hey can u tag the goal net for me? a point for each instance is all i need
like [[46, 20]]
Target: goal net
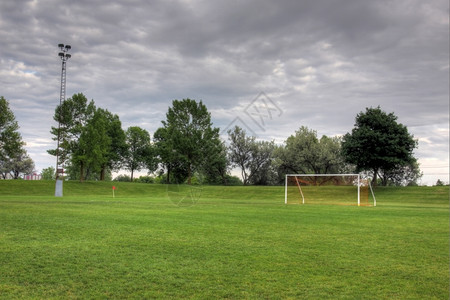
[[338, 189]]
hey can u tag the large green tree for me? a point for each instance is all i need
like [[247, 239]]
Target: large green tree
[[116, 146], [73, 115], [187, 139], [169, 159], [91, 150], [378, 143], [92, 141], [306, 153]]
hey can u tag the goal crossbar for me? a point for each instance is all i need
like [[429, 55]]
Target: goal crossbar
[[299, 181]]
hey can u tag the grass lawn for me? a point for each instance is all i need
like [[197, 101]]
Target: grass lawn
[[231, 242]]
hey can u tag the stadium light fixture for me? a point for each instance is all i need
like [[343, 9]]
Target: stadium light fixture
[[62, 96]]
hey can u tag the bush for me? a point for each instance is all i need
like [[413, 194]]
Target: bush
[[122, 177], [48, 173], [439, 182], [145, 179], [232, 180], [162, 179]]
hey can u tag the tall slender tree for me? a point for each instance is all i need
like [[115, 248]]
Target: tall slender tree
[[139, 149], [92, 147], [117, 148], [186, 138], [73, 115], [240, 151]]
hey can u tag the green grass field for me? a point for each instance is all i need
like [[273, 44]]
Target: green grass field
[[229, 242]]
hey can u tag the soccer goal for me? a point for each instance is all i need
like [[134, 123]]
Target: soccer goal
[[339, 189]]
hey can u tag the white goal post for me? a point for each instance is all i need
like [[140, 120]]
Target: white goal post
[[327, 188]]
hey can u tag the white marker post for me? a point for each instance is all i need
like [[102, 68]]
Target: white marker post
[[113, 188]]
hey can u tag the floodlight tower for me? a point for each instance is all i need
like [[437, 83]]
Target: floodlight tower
[[62, 97]]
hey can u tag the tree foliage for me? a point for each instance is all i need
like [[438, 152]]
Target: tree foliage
[[21, 164], [117, 148], [252, 157], [48, 173], [103, 143], [14, 159], [139, 149], [170, 160], [240, 151], [10, 139], [261, 167], [188, 146], [73, 115], [406, 175], [91, 139], [187, 142], [215, 164], [91, 153], [305, 153], [378, 143]]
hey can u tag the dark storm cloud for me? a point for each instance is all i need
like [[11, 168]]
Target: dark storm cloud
[[321, 62]]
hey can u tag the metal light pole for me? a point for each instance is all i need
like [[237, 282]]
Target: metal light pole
[[62, 97]]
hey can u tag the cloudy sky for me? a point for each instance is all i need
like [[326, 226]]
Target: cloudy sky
[[267, 66]]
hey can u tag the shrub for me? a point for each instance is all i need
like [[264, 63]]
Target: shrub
[[122, 177]]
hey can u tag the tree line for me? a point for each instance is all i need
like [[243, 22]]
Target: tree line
[[187, 148]]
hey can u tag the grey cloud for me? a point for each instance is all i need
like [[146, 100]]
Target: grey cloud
[[322, 61]]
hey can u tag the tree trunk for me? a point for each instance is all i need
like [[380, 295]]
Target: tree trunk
[[102, 173], [189, 174], [81, 171], [374, 179], [168, 174], [132, 171], [244, 175]]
